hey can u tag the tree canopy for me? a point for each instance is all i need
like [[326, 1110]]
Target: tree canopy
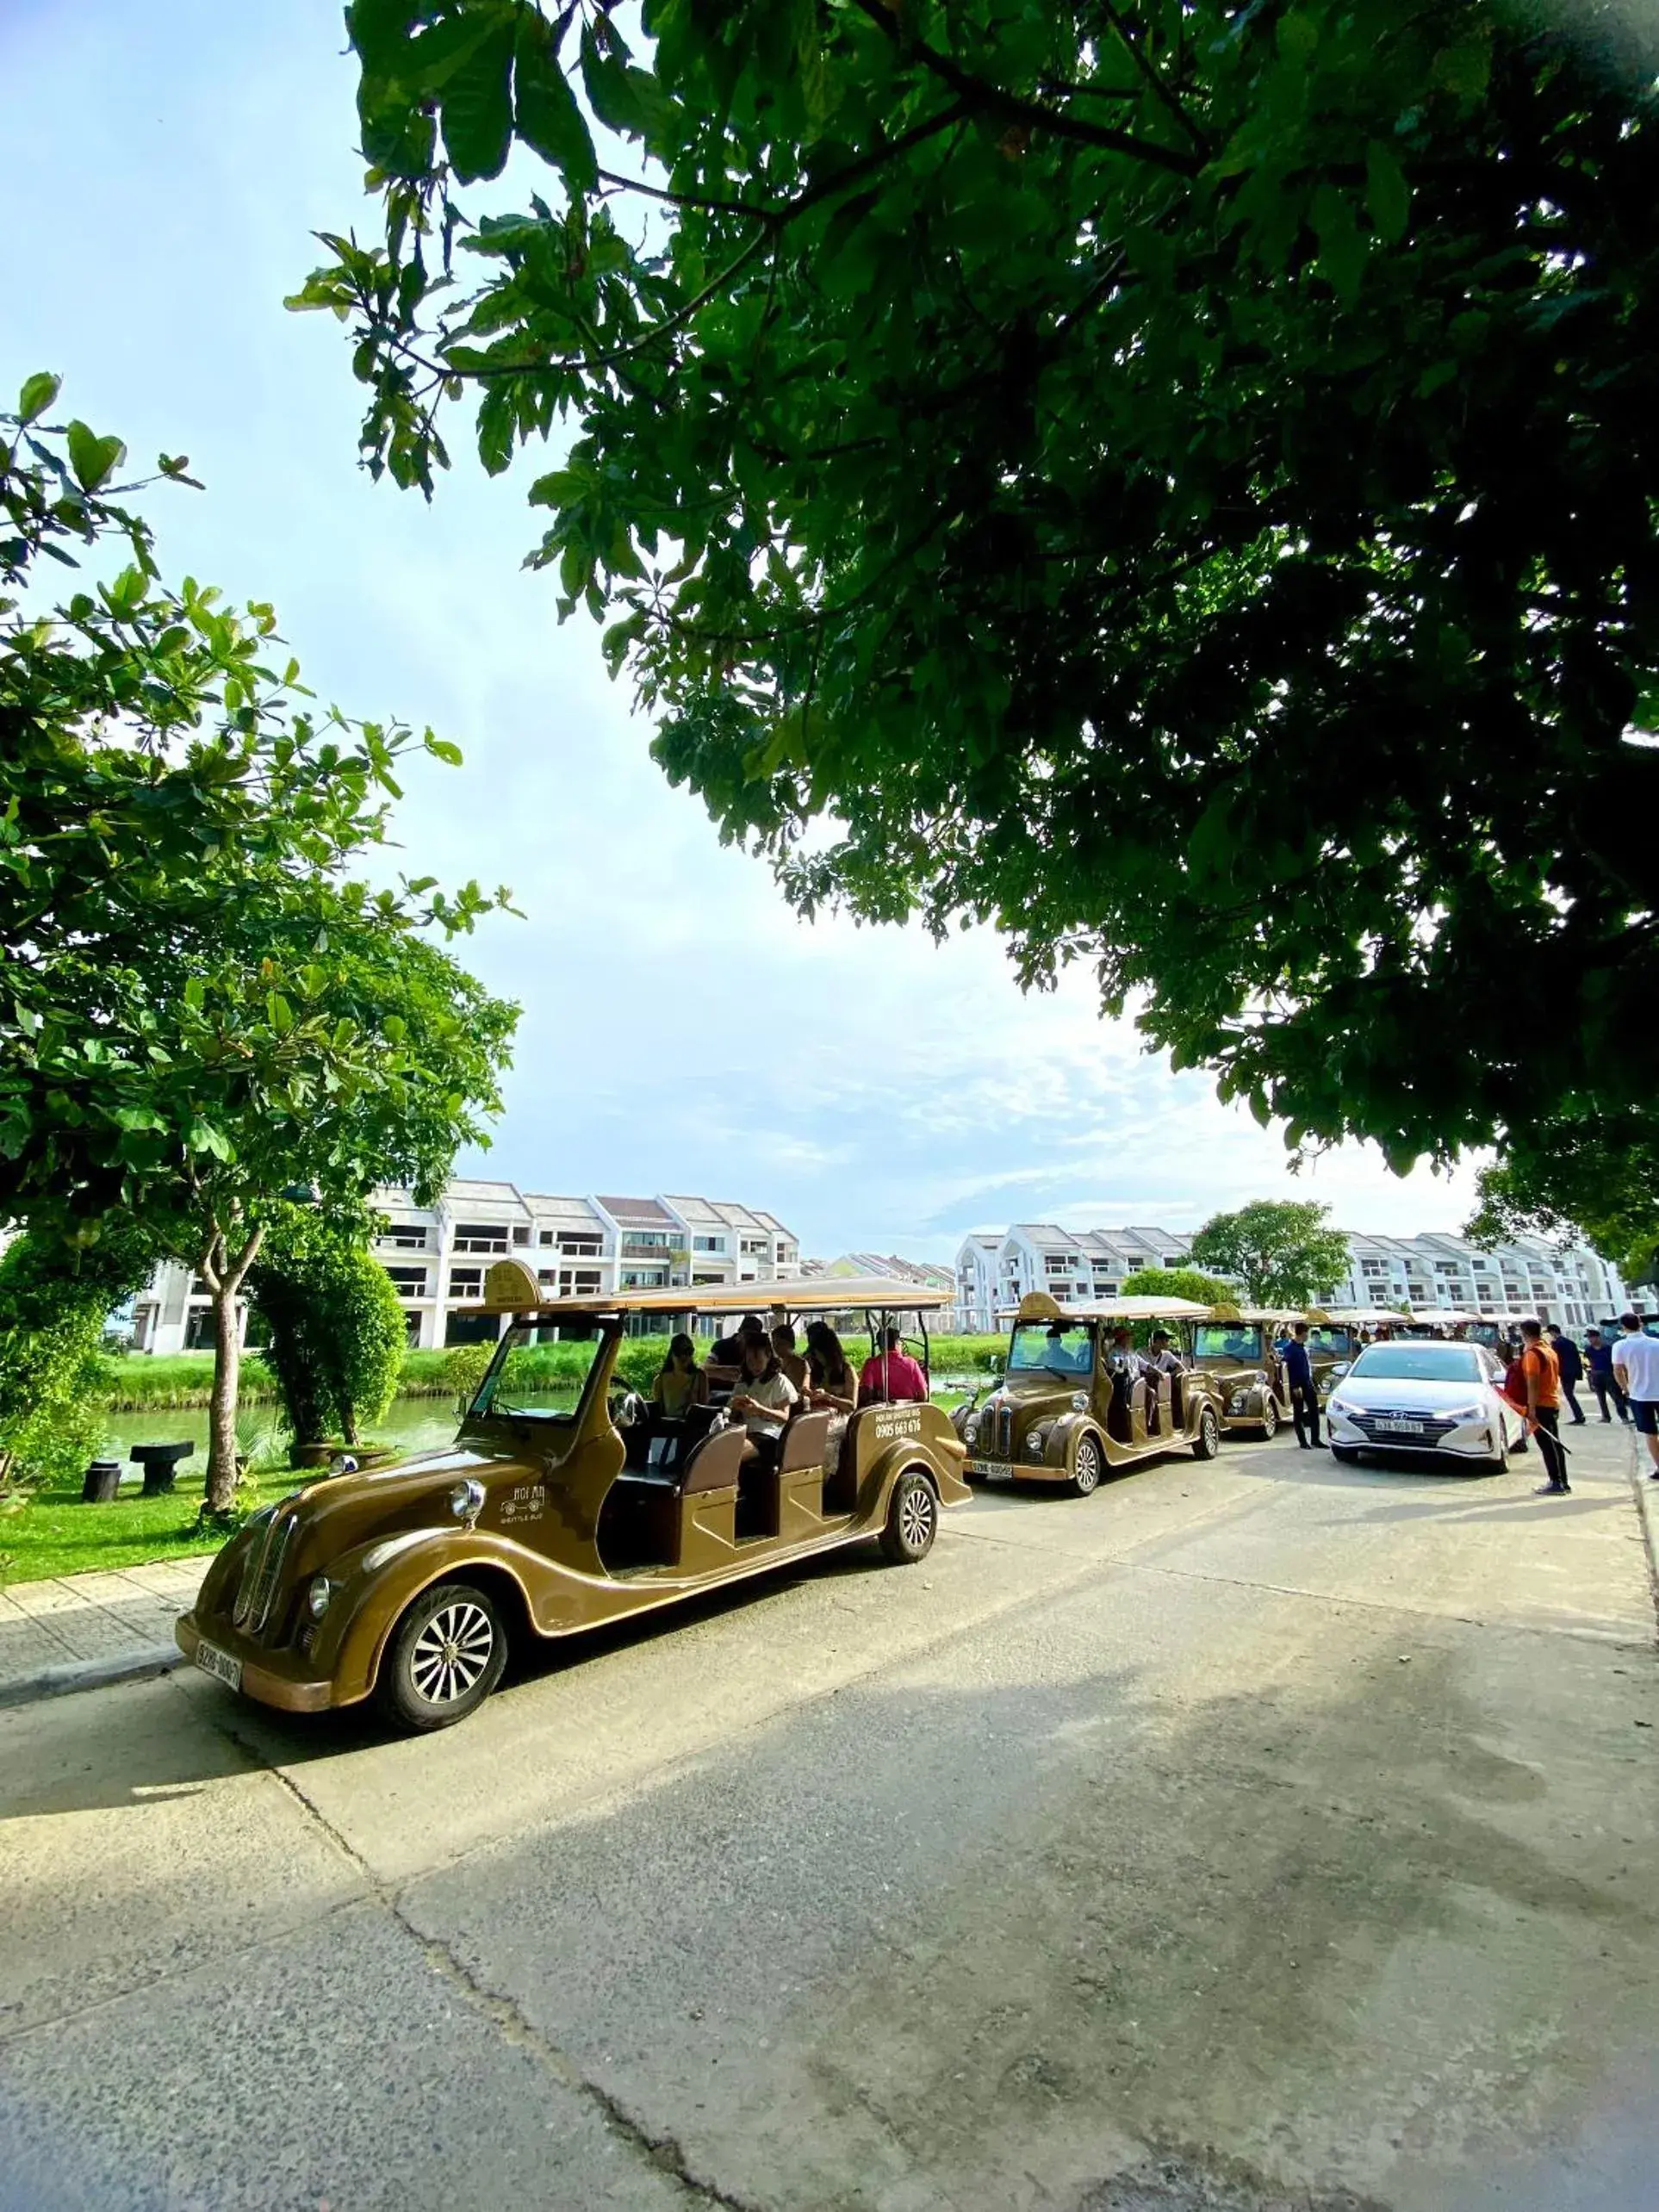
[[1174, 477], [1177, 1283], [1571, 1183], [336, 1328], [201, 1006], [1280, 1249]]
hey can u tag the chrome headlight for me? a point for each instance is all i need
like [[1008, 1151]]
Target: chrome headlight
[[342, 1464], [1036, 1444], [467, 1500], [970, 1429], [1235, 1404], [1079, 1401], [319, 1596]]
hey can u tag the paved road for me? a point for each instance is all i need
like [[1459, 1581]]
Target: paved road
[[1250, 1835]]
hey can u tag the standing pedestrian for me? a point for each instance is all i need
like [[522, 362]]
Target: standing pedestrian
[[1569, 1361], [1543, 1379], [1636, 1364], [1598, 1358], [1304, 1399]]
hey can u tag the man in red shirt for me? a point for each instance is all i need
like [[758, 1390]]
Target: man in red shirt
[[890, 1374]]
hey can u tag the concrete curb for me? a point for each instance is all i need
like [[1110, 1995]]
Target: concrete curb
[[91, 1674], [1647, 1507]]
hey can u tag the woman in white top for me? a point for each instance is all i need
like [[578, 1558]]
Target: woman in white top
[[764, 1396]]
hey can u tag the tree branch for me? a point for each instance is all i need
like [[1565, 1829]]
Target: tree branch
[[1156, 81], [977, 93]]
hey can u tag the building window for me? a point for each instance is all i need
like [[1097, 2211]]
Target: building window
[[1051, 1266], [520, 1235], [575, 1245], [480, 1236], [708, 1243], [410, 1282], [405, 1236], [466, 1282], [753, 1247], [705, 1278]]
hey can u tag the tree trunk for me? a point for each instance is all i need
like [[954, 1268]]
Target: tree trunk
[[221, 1415], [348, 1421]]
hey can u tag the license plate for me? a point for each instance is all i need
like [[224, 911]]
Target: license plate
[[220, 1664], [991, 1469], [1400, 1428]]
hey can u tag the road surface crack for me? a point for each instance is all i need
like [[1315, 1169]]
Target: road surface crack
[[662, 2151]]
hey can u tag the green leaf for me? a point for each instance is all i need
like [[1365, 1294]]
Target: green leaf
[[195, 993], [94, 459], [1342, 245], [278, 1013], [441, 748], [476, 107], [1298, 35], [546, 114], [1387, 195], [37, 396]]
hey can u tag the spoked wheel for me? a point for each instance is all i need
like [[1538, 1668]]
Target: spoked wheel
[[1269, 1418], [1207, 1441], [1086, 1468], [912, 1520], [444, 1659]]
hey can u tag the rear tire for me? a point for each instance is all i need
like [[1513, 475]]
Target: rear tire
[[1086, 1468], [444, 1658], [912, 1520], [1207, 1441]]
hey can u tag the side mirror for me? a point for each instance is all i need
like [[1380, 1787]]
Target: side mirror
[[1340, 1368]]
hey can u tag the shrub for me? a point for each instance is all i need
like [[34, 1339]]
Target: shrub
[[54, 1381], [464, 1367], [336, 1334]]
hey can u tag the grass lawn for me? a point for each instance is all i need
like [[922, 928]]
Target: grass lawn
[[55, 1534]]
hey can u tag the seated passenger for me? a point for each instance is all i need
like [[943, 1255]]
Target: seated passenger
[[832, 1386], [1121, 1357], [726, 1352], [763, 1397], [783, 1343], [1162, 1358], [681, 1383], [891, 1374]]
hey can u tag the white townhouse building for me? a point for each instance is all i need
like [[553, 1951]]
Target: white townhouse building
[[1074, 1266], [1527, 1277], [436, 1256], [888, 1267]]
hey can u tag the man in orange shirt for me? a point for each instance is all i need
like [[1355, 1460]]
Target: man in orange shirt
[[1542, 1376]]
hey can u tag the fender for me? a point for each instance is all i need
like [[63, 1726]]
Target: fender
[[1060, 1448], [377, 1591]]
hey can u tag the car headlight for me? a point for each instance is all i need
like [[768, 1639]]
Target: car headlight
[[1079, 1401], [1341, 1406], [1235, 1404], [1036, 1444], [319, 1596], [1461, 1414], [970, 1429], [467, 1500]]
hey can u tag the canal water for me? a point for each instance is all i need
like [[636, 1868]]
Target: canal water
[[410, 1424]]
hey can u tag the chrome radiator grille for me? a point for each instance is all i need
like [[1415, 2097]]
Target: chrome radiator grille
[[260, 1582], [1000, 1438]]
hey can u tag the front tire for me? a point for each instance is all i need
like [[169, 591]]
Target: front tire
[[1269, 1418], [1086, 1468], [1207, 1441], [444, 1658], [912, 1520], [1345, 1453]]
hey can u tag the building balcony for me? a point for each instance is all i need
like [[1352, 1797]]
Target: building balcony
[[658, 1255]]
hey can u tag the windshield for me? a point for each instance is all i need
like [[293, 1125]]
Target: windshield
[[532, 1380], [1229, 1340], [1051, 1347], [1330, 1337], [1420, 1363]]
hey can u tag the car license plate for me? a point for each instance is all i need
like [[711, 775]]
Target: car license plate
[[220, 1664], [1400, 1428], [993, 1470]]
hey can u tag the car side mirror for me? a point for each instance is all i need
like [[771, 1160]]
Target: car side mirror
[[1341, 1367]]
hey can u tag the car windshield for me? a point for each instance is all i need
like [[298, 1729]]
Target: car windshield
[[1419, 1362], [1331, 1337], [1229, 1340], [1051, 1347], [527, 1379]]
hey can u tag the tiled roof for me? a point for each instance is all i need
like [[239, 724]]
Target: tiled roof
[[637, 1209]]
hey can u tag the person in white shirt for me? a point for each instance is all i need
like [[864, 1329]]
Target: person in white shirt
[[763, 1397], [1635, 1365]]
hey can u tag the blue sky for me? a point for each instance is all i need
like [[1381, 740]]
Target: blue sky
[[165, 167]]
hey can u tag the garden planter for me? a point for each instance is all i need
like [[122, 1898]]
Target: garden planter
[[103, 1483]]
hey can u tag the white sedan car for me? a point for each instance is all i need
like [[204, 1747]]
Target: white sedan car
[[1420, 1395]]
